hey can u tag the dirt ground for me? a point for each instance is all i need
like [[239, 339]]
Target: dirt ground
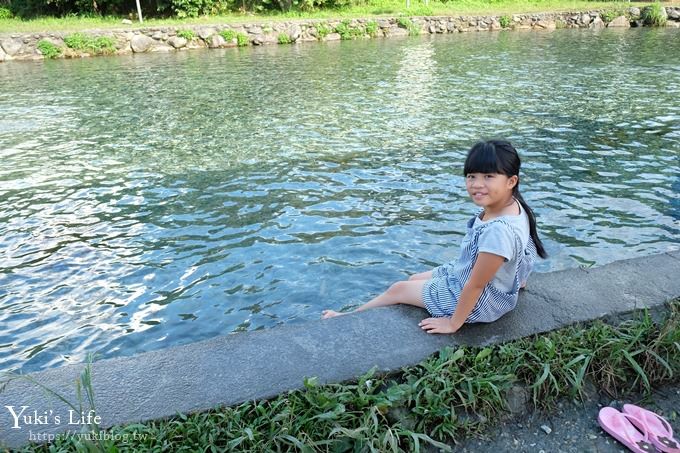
[[572, 427]]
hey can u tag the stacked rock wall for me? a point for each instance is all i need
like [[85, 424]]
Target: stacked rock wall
[[24, 46]]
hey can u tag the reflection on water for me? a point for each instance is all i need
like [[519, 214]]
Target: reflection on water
[[154, 200]]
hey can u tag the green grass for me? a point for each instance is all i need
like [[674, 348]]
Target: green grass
[[48, 49], [368, 9], [284, 38], [408, 24], [228, 35], [372, 28], [86, 43], [456, 392], [323, 30], [242, 39], [652, 15], [348, 31], [186, 34]]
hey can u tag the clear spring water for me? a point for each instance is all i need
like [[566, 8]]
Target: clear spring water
[[154, 200]]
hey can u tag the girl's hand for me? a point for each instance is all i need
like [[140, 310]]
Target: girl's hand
[[438, 325]]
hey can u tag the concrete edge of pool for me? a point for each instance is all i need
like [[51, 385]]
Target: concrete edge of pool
[[240, 367]]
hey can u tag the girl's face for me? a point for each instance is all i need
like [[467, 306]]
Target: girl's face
[[490, 189]]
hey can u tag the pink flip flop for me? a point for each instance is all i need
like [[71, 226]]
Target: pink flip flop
[[658, 429], [617, 424]]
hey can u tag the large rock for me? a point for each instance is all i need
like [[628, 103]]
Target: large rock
[[216, 41], [673, 14], [196, 44], [621, 21], [398, 31], [294, 32], [11, 46], [597, 24], [160, 46], [177, 42], [635, 12], [141, 43], [517, 398], [585, 19], [545, 25], [205, 33]]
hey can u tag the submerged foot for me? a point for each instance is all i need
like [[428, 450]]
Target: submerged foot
[[331, 314]]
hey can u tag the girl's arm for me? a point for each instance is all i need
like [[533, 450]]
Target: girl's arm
[[486, 266]]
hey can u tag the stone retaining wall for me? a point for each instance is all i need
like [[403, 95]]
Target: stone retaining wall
[[24, 46]]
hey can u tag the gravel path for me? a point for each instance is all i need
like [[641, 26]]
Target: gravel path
[[572, 427]]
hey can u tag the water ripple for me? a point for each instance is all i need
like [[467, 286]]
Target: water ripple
[[149, 200]]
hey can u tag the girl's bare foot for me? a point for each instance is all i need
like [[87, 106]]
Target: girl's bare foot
[[331, 314]]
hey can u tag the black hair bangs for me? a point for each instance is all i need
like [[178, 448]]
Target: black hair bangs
[[482, 158]]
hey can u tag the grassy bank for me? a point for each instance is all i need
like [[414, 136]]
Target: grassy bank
[[369, 9], [455, 393]]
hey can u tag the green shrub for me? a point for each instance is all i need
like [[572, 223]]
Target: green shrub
[[242, 39], [611, 14], [408, 24], [560, 24], [48, 49], [85, 43], [104, 44], [653, 15], [5, 13], [284, 38], [190, 8], [186, 34], [505, 21], [372, 28], [347, 31], [343, 30], [323, 30], [228, 35]]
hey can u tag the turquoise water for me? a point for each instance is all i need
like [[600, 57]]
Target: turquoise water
[[155, 200]]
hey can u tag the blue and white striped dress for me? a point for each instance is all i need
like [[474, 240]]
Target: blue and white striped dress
[[442, 292]]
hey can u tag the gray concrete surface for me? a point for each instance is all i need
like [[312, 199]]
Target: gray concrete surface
[[261, 364]]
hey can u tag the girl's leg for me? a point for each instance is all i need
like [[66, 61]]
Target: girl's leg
[[421, 276], [399, 293]]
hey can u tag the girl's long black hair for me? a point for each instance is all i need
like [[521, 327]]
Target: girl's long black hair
[[499, 156]]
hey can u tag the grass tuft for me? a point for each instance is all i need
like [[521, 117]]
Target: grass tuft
[[95, 45], [228, 35], [186, 34], [48, 49], [653, 15], [242, 39]]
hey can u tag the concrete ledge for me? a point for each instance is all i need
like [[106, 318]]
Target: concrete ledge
[[258, 365]]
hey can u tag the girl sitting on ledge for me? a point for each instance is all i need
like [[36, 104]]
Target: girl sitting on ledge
[[497, 252]]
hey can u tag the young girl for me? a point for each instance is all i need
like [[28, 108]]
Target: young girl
[[497, 252]]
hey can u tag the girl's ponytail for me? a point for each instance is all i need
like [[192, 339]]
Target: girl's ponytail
[[532, 223]]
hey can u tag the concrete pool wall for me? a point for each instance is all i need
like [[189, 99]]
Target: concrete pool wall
[[24, 46], [262, 364]]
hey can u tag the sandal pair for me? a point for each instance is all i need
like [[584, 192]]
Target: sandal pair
[[638, 429]]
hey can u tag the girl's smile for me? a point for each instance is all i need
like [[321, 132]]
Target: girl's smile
[[492, 191]]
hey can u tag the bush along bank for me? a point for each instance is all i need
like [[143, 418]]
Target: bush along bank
[[32, 46]]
